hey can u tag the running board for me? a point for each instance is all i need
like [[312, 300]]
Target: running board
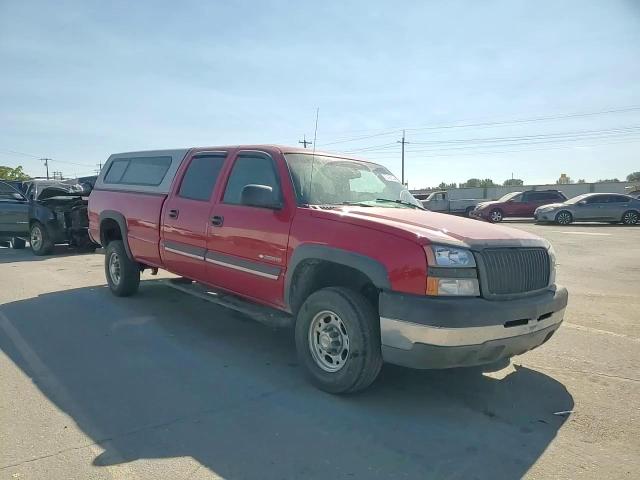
[[267, 315]]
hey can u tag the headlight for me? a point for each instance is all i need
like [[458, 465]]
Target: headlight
[[552, 266], [451, 271], [544, 209], [452, 257]]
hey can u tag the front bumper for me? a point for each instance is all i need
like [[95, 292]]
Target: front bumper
[[478, 214], [549, 216], [426, 332]]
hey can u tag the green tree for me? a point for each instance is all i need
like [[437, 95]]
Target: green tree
[[8, 173], [582, 180], [487, 182], [608, 180], [472, 182], [445, 185], [513, 182], [633, 177]]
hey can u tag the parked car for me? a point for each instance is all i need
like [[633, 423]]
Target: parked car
[[601, 207], [440, 202], [633, 191], [49, 213], [14, 216], [516, 204], [336, 248]]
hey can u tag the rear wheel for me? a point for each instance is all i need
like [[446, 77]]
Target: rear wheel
[[123, 274], [467, 212], [630, 217], [496, 215], [564, 218], [39, 239], [338, 340], [18, 243]]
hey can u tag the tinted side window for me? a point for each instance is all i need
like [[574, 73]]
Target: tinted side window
[[618, 199], [201, 177], [250, 169], [597, 199], [116, 170], [7, 191], [138, 170]]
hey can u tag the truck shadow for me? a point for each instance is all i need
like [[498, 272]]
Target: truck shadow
[[161, 375]]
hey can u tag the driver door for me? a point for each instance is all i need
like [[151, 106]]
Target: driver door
[[14, 212], [247, 245]]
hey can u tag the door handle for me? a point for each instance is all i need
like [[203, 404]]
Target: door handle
[[217, 221], [174, 213]]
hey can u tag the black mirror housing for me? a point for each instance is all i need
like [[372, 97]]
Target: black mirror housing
[[259, 196]]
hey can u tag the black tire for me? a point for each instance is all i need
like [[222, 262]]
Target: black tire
[[496, 215], [564, 217], [363, 361], [467, 212], [18, 243], [39, 239], [630, 217], [127, 279]]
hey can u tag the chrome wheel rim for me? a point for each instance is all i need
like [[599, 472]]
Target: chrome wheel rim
[[564, 218], [36, 238], [496, 216], [630, 218], [114, 268], [329, 341]]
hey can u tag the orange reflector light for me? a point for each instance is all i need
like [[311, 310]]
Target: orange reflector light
[[432, 286]]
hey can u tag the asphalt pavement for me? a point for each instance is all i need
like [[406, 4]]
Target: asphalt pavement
[[163, 385]]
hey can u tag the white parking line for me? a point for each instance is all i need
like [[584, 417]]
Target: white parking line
[[583, 233]]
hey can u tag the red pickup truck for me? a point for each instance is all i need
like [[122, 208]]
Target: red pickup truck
[[335, 247]]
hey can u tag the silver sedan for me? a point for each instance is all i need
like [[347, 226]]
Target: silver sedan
[[592, 207]]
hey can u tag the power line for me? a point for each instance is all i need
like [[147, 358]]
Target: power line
[[392, 131]]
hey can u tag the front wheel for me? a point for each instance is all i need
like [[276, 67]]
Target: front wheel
[[630, 217], [39, 239], [496, 215], [564, 218], [123, 274], [338, 340]]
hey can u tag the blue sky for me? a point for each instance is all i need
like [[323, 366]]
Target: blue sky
[[81, 80]]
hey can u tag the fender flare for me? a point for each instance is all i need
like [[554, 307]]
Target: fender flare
[[122, 223], [370, 267]]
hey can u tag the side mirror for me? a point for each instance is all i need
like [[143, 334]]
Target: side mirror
[[582, 202], [17, 196], [259, 196]]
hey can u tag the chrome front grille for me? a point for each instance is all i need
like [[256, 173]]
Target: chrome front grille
[[509, 271]]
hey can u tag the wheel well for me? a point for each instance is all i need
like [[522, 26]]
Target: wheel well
[[312, 275], [109, 231]]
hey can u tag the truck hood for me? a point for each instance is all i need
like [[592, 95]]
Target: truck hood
[[430, 227]]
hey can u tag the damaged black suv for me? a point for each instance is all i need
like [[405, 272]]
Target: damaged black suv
[[48, 213]]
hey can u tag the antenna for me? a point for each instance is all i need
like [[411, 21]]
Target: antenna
[[313, 154]]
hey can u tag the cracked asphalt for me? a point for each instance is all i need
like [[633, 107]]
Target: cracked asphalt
[[163, 385]]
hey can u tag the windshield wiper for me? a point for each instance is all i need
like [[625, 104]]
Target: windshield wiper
[[358, 204], [401, 202]]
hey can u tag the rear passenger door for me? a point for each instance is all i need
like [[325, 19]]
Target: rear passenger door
[[247, 245], [615, 207], [185, 215]]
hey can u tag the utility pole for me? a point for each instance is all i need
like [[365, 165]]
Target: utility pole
[[99, 168], [46, 164], [403, 142], [305, 142]]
